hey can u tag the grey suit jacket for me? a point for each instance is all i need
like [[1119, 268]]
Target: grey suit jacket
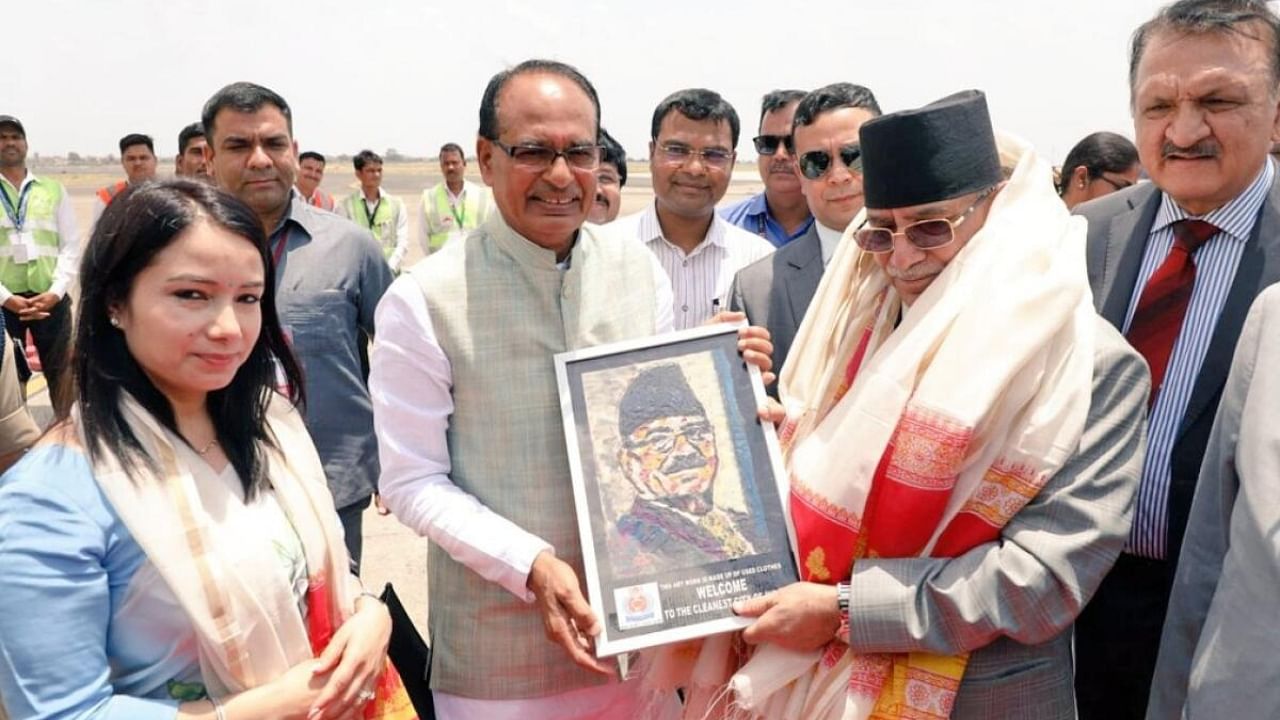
[[1011, 601], [1119, 224], [775, 291], [1218, 651]]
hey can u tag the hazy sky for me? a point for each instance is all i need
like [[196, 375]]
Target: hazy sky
[[408, 74]]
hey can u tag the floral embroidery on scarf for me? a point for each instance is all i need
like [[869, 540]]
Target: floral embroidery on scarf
[[1006, 488], [928, 450], [816, 565]]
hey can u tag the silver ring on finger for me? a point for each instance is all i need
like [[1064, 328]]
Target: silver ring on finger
[[365, 696]]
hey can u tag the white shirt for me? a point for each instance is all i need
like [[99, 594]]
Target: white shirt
[[701, 279], [99, 207], [411, 383], [829, 240], [68, 265]]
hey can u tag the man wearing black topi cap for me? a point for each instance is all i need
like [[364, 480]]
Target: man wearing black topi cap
[[963, 439]]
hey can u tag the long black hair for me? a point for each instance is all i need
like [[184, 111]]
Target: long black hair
[[1098, 153], [135, 227]]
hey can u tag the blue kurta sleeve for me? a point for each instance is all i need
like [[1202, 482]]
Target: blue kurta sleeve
[[56, 537]]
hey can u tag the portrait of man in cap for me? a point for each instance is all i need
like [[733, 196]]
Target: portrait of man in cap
[[668, 461]]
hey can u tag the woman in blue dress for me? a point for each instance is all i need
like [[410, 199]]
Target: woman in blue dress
[[169, 549]]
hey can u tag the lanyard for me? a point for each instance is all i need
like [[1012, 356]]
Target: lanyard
[[18, 215], [281, 244], [453, 209], [761, 229], [372, 212]]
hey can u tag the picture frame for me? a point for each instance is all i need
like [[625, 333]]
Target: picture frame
[[678, 485]]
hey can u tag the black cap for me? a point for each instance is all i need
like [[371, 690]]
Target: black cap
[[940, 151], [11, 120], [658, 392]]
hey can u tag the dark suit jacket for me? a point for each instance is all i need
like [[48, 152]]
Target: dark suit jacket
[[775, 291], [1118, 227]]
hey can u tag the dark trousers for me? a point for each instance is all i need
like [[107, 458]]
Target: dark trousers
[[52, 337], [1117, 638], [352, 517]]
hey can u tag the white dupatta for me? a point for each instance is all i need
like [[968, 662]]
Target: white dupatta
[[249, 629], [981, 390]]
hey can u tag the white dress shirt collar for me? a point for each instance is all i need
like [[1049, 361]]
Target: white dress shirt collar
[[829, 240]]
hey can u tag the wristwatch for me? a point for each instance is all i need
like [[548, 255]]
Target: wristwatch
[[842, 602]]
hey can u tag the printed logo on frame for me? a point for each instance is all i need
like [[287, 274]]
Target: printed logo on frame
[[638, 606]]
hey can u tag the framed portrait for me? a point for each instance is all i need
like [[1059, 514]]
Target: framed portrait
[[678, 485]]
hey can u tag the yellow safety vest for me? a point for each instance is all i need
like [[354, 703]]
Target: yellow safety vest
[[444, 220], [39, 216], [383, 223]]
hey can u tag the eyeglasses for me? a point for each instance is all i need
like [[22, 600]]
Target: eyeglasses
[[925, 234], [815, 163], [768, 144], [680, 154], [1117, 185], [541, 157], [662, 438]]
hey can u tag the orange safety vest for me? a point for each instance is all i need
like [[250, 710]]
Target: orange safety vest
[[322, 200], [109, 193]]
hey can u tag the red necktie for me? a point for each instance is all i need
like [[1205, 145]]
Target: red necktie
[[1157, 320]]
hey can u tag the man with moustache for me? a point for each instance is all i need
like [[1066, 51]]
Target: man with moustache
[[1175, 264], [963, 440], [310, 175], [455, 205], [468, 414], [775, 292], [39, 259], [670, 456], [691, 157], [610, 179], [780, 213], [329, 278], [189, 162]]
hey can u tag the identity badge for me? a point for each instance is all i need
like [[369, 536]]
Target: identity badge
[[24, 247]]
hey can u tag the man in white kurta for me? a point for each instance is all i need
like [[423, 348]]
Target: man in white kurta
[[467, 410]]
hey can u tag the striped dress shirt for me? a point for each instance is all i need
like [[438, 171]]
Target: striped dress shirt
[[1216, 263], [700, 281]]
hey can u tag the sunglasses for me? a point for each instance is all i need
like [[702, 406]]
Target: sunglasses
[[924, 234], [815, 163], [768, 144]]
